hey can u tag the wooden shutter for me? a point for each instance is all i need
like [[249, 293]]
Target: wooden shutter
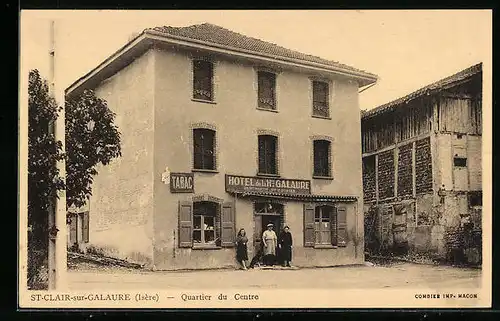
[[228, 225], [262, 154], [309, 236], [73, 230], [333, 225], [185, 223], [341, 226], [85, 227]]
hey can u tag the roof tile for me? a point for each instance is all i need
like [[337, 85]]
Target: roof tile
[[218, 35], [438, 85]]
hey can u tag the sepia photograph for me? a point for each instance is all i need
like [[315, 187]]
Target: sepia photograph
[[255, 159]]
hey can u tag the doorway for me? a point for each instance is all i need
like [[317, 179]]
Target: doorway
[[265, 213]]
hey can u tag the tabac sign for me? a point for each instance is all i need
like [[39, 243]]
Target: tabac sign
[[247, 184], [181, 182]]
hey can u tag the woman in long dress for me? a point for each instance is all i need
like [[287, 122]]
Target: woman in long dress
[[270, 241], [241, 248]]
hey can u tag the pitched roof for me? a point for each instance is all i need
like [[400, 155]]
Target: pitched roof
[[218, 35], [214, 38], [434, 87]]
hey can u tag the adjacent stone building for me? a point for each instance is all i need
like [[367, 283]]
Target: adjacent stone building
[[422, 170], [220, 132]]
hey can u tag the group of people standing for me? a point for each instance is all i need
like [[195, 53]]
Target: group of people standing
[[274, 249]]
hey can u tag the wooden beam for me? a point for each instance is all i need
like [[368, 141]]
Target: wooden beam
[[401, 143], [376, 179], [413, 170]]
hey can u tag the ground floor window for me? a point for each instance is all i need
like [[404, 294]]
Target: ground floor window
[[204, 217], [325, 225], [206, 224]]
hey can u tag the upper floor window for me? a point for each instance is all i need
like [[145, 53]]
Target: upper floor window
[[320, 99], [203, 80], [266, 90], [204, 148], [267, 154], [322, 164]]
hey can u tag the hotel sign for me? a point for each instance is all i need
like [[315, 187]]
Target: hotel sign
[[248, 184], [181, 182]]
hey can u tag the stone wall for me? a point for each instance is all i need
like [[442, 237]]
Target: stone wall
[[423, 166], [386, 174], [405, 170]]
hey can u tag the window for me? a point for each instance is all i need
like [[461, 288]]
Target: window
[[322, 166], [323, 227], [320, 99], [475, 198], [204, 223], [266, 90], [267, 154], [460, 161], [268, 208], [204, 149], [202, 80]]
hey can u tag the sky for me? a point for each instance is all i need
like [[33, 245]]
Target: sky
[[406, 49]]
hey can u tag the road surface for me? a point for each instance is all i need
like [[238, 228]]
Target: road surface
[[399, 275]]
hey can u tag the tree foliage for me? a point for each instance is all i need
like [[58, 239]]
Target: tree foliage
[[43, 175], [92, 138]]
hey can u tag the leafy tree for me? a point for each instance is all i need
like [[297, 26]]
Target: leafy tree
[[91, 139], [43, 175]]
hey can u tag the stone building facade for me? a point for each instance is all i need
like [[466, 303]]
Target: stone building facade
[[422, 170], [220, 132]]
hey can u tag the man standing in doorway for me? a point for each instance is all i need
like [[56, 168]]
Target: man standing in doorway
[[270, 241]]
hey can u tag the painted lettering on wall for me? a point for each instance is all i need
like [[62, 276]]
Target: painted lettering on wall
[[181, 182], [246, 184]]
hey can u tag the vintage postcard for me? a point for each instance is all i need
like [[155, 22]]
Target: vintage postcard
[[255, 159]]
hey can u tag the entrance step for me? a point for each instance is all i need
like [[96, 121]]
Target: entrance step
[[276, 267]]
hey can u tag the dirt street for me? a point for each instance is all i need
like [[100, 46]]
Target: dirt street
[[398, 275]]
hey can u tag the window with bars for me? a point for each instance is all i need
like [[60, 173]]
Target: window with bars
[[203, 80], [268, 154], [322, 166], [204, 148], [320, 99], [266, 90]]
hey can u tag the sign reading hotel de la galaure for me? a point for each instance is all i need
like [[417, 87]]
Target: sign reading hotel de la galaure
[[249, 184]]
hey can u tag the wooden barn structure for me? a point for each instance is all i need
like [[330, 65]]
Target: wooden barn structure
[[422, 179]]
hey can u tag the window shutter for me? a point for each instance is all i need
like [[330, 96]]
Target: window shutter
[[73, 230], [85, 227], [185, 223], [262, 155], [333, 225], [228, 225], [341, 226], [309, 236]]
